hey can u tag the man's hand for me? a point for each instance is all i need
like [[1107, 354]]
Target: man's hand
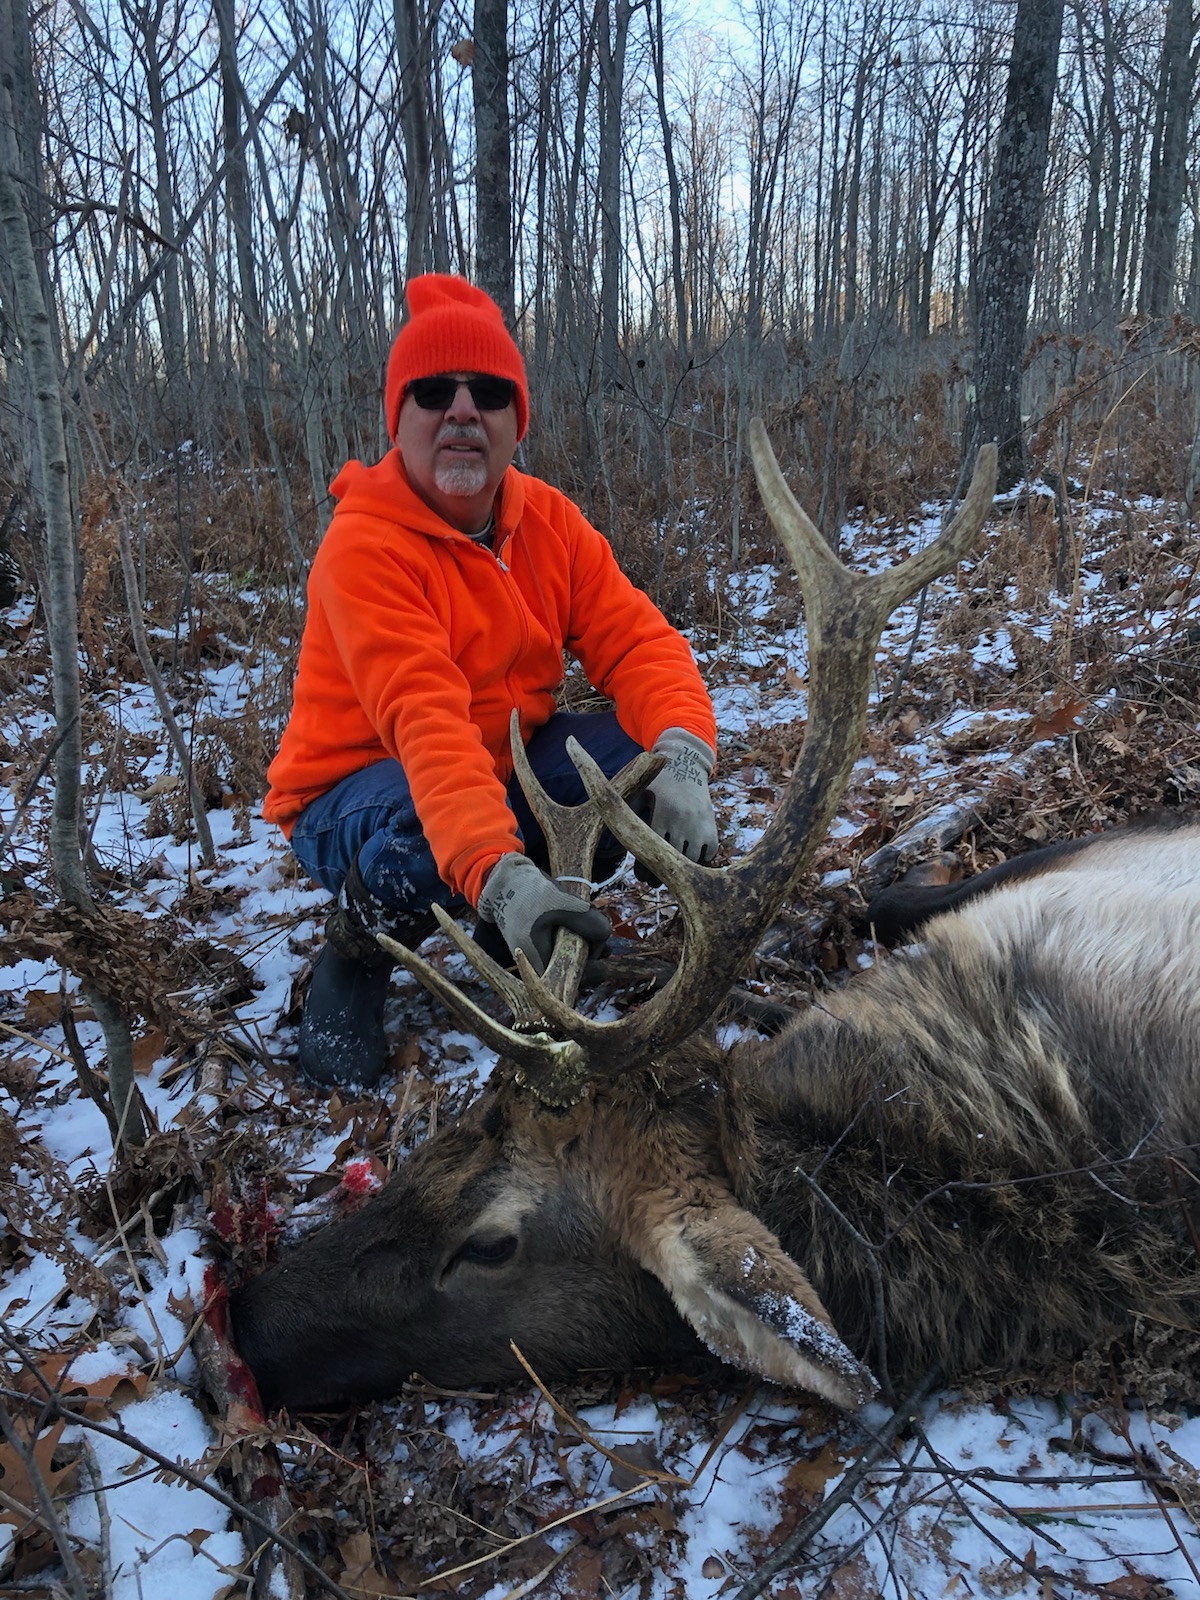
[[683, 811], [527, 907]]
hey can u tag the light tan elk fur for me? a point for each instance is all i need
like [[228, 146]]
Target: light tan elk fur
[[981, 1153]]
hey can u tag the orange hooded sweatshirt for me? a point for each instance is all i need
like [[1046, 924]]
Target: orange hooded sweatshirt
[[420, 642]]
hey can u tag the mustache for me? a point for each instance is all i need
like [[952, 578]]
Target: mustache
[[462, 433]]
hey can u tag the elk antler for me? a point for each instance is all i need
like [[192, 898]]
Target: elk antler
[[555, 1068], [725, 911]]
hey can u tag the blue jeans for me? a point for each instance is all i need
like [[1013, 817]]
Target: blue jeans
[[370, 817]]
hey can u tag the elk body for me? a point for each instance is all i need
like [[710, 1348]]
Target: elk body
[[984, 1152]]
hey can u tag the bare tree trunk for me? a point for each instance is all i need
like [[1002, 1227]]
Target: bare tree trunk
[[854, 184], [1168, 159], [1010, 235], [493, 155], [174, 348], [34, 325], [238, 190], [658, 47], [1107, 289], [612, 35], [542, 293], [1090, 117], [339, 164], [418, 144]]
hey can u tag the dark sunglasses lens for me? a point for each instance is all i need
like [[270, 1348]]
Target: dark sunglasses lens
[[433, 394], [437, 394], [491, 394]]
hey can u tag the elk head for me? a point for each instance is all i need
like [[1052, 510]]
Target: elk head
[[583, 1208]]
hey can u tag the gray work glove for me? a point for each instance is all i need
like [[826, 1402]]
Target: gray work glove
[[527, 907], [683, 811]]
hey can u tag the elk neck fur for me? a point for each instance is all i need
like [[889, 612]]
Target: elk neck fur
[[981, 1153], [998, 1131]]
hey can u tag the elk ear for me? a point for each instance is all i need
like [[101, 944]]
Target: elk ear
[[732, 1280]]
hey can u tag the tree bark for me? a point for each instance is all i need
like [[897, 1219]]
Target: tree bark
[[612, 35], [165, 187], [1010, 235], [1168, 160], [493, 156], [658, 48], [418, 145], [238, 191], [34, 324]]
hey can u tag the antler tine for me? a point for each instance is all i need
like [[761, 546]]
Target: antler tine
[[550, 1059], [526, 1016], [845, 613], [572, 834], [820, 571], [685, 880], [555, 1069]]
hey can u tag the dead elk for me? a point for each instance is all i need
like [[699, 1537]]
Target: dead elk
[[981, 1153]]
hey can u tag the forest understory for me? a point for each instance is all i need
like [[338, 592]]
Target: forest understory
[[1007, 712]]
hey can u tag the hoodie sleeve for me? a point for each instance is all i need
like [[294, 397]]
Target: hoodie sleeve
[[397, 658], [628, 649]]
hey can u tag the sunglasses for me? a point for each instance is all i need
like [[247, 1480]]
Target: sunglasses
[[438, 394]]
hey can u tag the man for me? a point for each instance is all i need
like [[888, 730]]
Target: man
[[443, 596]]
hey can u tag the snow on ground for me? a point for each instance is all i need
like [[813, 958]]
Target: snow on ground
[[992, 1495]]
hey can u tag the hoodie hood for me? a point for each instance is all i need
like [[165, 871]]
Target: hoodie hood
[[384, 489]]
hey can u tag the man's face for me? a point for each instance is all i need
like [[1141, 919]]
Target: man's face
[[455, 458]]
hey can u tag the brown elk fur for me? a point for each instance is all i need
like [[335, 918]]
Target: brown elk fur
[[985, 1152]]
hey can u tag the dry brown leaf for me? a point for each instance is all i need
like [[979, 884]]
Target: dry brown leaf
[[1131, 1586], [147, 1049], [106, 1396], [43, 1007], [637, 1462], [360, 1576], [853, 1581], [584, 1578], [811, 1477], [35, 1546], [1058, 718], [406, 1054]]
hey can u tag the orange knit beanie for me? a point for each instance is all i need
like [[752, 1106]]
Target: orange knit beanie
[[452, 327]]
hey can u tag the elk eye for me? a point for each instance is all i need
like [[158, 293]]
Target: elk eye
[[489, 1252]]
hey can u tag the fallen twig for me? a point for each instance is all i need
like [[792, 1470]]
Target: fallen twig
[[47, 1511], [59, 1408], [801, 1536]]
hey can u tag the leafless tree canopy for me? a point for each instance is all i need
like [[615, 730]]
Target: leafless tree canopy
[[226, 202]]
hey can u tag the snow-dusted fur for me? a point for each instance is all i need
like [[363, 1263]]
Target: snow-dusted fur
[[981, 1153]]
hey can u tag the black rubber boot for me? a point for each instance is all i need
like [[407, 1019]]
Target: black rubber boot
[[342, 1038]]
